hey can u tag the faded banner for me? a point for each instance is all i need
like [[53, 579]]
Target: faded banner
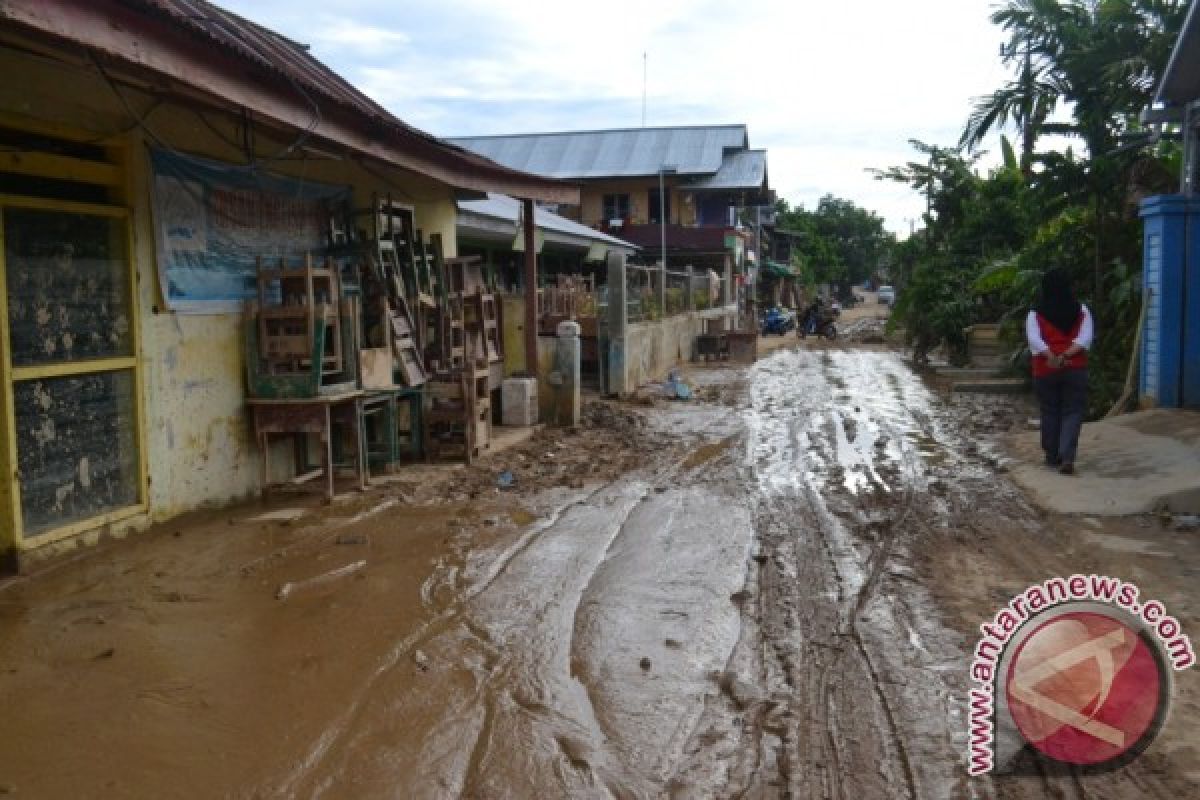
[[214, 220]]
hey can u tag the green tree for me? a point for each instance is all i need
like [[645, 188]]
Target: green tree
[[971, 222], [1098, 58], [1081, 69], [841, 242]]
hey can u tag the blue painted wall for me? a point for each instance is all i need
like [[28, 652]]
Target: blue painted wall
[[1170, 351]]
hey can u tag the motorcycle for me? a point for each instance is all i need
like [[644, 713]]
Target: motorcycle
[[777, 321], [821, 322]]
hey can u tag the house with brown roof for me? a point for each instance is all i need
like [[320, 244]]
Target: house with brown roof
[[150, 152]]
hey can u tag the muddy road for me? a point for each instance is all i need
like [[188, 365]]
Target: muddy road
[[775, 598]]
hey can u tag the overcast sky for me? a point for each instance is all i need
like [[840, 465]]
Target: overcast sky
[[828, 88]]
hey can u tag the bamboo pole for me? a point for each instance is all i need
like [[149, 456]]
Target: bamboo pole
[[1123, 400]]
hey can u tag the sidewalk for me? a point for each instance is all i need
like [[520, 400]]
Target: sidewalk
[[1127, 465]]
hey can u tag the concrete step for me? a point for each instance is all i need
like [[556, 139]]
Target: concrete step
[[967, 373], [990, 386]]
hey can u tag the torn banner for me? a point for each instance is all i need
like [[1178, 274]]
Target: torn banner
[[212, 221]]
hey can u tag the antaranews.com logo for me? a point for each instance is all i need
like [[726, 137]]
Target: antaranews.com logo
[[1077, 668]]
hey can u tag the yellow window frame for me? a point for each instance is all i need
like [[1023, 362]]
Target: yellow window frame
[[10, 490]]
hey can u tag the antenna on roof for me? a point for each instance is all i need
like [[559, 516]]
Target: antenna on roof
[[643, 88]]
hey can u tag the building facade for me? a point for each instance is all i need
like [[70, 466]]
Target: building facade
[[678, 186], [122, 382]]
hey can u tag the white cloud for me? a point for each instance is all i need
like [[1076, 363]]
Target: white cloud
[[368, 39], [829, 89]]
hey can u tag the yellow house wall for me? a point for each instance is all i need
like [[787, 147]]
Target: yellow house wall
[[197, 434], [683, 212]]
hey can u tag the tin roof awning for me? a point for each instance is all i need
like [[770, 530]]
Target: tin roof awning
[[507, 212], [1181, 81], [233, 61], [779, 270]]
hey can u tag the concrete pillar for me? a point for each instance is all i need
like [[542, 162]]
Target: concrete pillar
[[567, 358], [618, 323], [531, 281], [727, 296], [662, 290]]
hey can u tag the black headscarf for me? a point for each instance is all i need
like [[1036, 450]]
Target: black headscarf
[[1057, 303]]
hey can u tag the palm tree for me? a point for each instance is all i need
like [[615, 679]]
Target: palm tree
[[1027, 101], [1099, 58]]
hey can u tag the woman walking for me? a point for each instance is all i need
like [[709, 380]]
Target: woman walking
[[1060, 331]]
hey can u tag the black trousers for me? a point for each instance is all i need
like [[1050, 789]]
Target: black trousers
[[1062, 396]]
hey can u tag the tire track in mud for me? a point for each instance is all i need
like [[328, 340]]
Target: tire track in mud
[[605, 745], [517, 693], [840, 683], [841, 640], [812, 583], [577, 739], [435, 626], [838, 725], [904, 520]]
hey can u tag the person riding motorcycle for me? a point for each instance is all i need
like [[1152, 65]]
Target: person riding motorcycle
[[811, 315], [819, 319]]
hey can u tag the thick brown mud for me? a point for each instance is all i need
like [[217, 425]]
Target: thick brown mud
[[770, 592]]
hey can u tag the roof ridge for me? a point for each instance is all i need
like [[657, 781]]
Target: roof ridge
[[602, 130]]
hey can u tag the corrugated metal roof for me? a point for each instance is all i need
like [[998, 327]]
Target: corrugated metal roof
[[740, 169], [268, 49], [113, 29], [293, 61], [503, 207], [1181, 81], [628, 152]]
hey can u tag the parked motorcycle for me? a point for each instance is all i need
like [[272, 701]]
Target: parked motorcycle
[[777, 321], [820, 322]]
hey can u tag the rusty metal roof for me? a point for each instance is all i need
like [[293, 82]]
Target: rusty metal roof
[[224, 41], [272, 51]]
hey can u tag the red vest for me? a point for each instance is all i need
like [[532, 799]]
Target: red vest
[[1058, 342]]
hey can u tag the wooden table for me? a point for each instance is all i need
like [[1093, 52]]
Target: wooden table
[[309, 415]]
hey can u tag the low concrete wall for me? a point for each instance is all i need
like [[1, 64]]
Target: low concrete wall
[[653, 348]]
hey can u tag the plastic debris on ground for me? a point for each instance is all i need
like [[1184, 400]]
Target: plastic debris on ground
[[675, 388]]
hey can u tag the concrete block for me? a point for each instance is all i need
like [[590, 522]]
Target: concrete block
[[519, 401], [567, 401]]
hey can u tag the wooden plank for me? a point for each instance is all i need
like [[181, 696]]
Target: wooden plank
[[64, 168], [306, 477], [308, 418], [71, 368]]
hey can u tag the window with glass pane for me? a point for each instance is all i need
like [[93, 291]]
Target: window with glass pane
[[77, 454], [68, 287]]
